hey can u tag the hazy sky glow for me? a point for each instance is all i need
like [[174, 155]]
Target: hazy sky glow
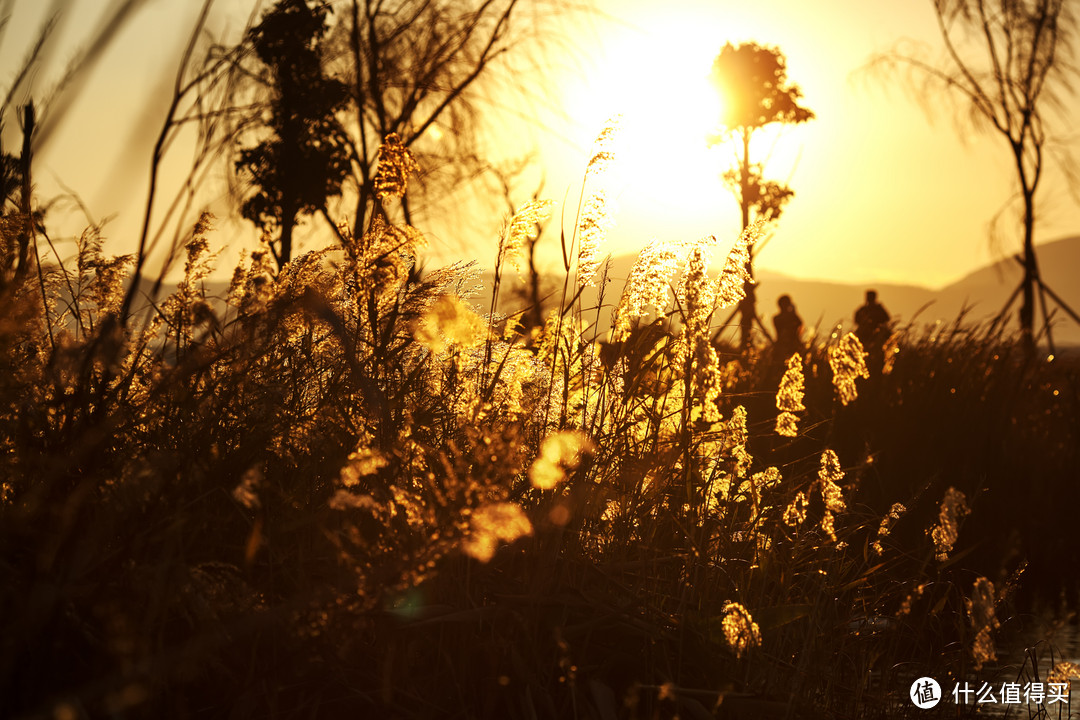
[[882, 193]]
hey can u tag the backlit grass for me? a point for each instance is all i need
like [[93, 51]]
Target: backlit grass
[[344, 491]]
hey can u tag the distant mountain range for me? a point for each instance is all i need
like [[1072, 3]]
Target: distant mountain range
[[982, 294], [822, 304]]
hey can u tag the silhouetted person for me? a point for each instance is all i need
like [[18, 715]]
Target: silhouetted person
[[872, 329], [788, 326]]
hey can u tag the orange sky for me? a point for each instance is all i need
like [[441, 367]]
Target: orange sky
[[882, 193]]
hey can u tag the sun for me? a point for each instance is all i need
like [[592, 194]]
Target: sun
[[657, 80]]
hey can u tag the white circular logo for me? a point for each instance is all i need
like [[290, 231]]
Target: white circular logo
[[925, 693]]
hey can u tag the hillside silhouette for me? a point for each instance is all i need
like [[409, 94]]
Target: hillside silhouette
[[822, 304]]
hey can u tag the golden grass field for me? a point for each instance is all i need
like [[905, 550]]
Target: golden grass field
[[344, 491]]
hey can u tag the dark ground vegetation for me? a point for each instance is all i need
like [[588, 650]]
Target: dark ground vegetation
[[346, 495]]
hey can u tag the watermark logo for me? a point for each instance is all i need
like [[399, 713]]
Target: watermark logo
[[1012, 693], [925, 693]]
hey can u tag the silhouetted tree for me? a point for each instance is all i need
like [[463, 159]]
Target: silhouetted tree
[[306, 158], [753, 84], [413, 68], [416, 68], [1009, 61]]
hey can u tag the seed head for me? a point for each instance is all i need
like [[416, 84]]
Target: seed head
[[592, 228], [492, 524], [1064, 672], [396, 164], [522, 228], [603, 152], [848, 362], [740, 630], [696, 294], [795, 512], [647, 286], [789, 397], [560, 451], [828, 476], [364, 461], [596, 214], [891, 350], [945, 533], [450, 321], [737, 437], [730, 285], [980, 607], [886, 525]]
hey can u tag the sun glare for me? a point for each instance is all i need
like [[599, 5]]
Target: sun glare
[[658, 81]]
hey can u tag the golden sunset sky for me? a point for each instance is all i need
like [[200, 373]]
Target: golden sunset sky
[[883, 191]]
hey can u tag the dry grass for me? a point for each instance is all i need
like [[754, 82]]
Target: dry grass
[[343, 492]]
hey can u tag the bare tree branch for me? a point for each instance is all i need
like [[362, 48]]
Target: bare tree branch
[[1027, 46]]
